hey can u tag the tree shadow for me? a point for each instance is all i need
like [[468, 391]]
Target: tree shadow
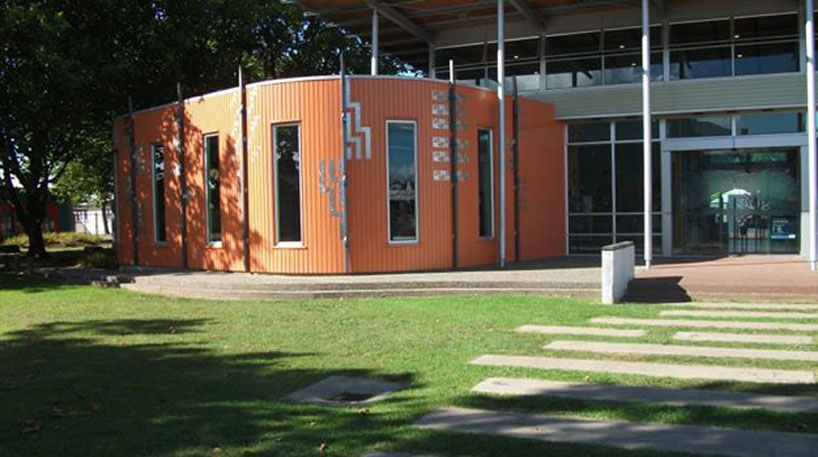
[[136, 387]]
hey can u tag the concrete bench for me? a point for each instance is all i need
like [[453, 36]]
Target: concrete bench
[[618, 270]]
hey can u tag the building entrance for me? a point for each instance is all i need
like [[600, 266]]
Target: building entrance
[[736, 201]]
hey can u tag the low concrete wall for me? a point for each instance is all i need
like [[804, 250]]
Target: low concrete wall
[[618, 265]]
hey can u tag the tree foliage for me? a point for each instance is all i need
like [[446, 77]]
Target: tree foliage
[[65, 65]]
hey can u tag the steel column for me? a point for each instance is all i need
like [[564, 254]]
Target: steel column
[[245, 174], [647, 131], [501, 97], [375, 45], [811, 140]]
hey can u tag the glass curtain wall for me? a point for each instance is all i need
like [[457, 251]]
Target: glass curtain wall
[[605, 185]]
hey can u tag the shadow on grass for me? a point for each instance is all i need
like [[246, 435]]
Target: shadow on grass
[[96, 388], [23, 282]]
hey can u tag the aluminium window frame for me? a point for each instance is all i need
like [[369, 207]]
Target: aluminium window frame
[[416, 239], [208, 233], [493, 228], [155, 224], [277, 243]]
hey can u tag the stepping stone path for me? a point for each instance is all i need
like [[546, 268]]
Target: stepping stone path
[[657, 437], [751, 314], [693, 351], [706, 324], [593, 331], [622, 434], [614, 393], [752, 338], [656, 370]]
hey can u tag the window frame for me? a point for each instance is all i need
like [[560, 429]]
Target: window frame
[[416, 239], [492, 225], [156, 239], [277, 243], [208, 232]]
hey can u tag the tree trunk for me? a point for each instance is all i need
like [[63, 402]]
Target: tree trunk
[[32, 219], [36, 243]]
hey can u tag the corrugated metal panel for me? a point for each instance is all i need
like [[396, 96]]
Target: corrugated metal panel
[[315, 105], [542, 186], [784, 90]]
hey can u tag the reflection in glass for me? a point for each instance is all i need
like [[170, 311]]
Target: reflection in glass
[[287, 156], [561, 74], [627, 68], [699, 126], [760, 59], [769, 123], [159, 225], [701, 63], [630, 179], [589, 174], [401, 155], [213, 189], [485, 197]]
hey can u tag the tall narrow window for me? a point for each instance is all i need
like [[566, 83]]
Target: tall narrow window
[[287, 155], [159, 225], [212, 189], [485, 172], [402, 169]]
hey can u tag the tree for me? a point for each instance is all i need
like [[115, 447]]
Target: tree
[[66, 64]]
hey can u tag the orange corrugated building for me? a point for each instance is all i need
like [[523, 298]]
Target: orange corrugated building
[[395, 211]]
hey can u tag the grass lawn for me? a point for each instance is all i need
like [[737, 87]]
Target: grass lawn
[[102, 372]]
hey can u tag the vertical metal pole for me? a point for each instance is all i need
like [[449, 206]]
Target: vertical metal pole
[[343, 165], [432, 73], [647, 131], [501, 96], [453, 162], [180, 120], [245, 173], [811, 140], [115, 203], [133, 202], [515, 123], [452, 77], [375, 45]]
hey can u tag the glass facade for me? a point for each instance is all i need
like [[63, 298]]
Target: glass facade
[[485, 173], [402, 179], [213, 189], [158, 174], [703, 49], [287, 163]]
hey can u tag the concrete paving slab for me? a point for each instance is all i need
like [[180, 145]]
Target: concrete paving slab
[[594, 331], [748, 306], [622, 434], [345, 391], [673, 350], [706, 324], [656, 370], [752, 338], [628, 394], [743, 314]]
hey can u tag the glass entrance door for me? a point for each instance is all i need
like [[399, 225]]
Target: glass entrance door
[[736, 201]]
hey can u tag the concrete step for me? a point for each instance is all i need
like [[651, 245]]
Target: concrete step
[[748, 306], [630, 394], [794, 327], [675, 350], [655, 370], [739, 314], [624, 435], [592, 331], [751, 338]]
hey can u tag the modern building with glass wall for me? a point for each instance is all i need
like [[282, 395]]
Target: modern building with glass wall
[[728, 104]]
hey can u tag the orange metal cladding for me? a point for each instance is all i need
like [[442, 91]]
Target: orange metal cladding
[[315, 105]]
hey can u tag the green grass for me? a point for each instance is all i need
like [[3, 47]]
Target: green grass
[[58, 239], [112, 373]]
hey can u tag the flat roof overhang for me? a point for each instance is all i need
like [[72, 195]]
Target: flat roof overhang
[[409, 27]]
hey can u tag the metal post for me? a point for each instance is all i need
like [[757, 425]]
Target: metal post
[[115, 203], [182, 178], [811, 140], [245, 173], [453, 162], [375, 41], [132, 173], [501, 96], [451, 72], [647, 131], [432, 73], [343, 170], [515, 128]]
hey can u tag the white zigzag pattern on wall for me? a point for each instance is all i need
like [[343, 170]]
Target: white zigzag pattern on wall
[[355, 137]]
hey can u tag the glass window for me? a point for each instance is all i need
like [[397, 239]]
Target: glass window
[[528, 76], [159, 224], [516, 50], [624, 39], [630, 179], [590, 224], [213, 189], [766, 27], [632, 130], [701, 63], [463, 55], [473, 76], [757, 59], [589, 173], [700, 126], [287, 154], [588, 244], [769, 123], [635, 224], [627, 68], [401, 165], [700, 32], [562, 74], [485, 173], [577, 43], [597, 131]]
